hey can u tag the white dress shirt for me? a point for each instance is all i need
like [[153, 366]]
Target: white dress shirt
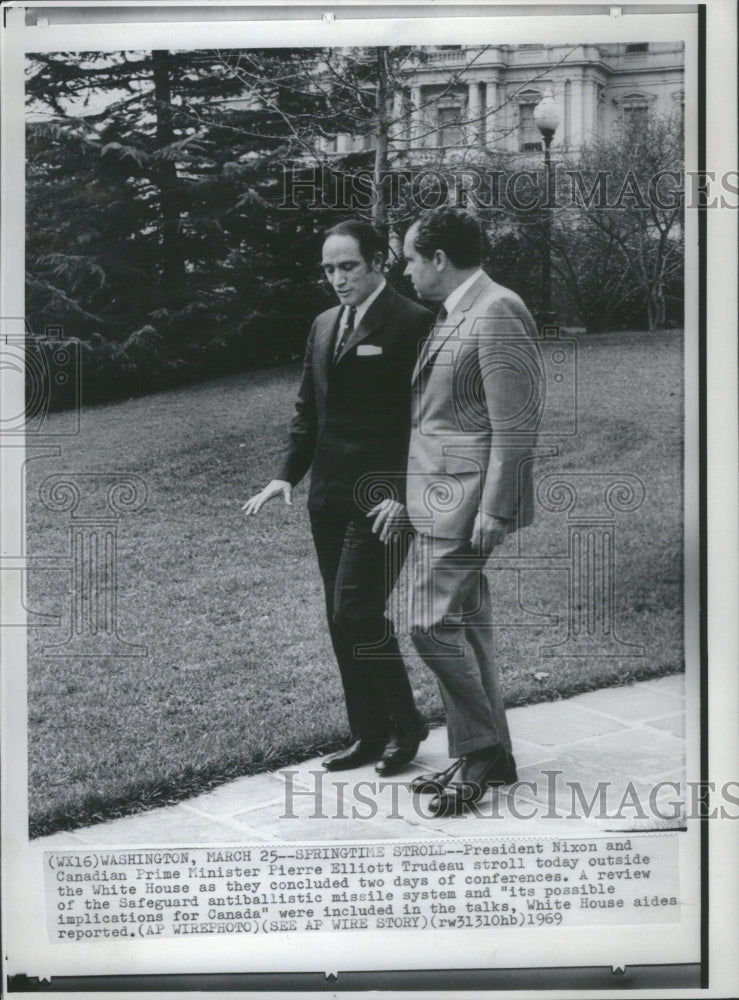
[[364, 306], [359, 312], [453, 298]]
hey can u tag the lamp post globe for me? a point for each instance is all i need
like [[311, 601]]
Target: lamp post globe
[[547, 115]]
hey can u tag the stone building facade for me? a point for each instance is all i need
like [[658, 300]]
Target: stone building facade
[[467, 99]]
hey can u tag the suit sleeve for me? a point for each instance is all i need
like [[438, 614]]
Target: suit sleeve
[[510, 376], [297, 455]]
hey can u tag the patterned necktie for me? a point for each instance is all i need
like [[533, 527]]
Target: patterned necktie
[[346, 332]]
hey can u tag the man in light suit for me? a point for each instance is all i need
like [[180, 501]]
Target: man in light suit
[[352, 424], [476, 406]]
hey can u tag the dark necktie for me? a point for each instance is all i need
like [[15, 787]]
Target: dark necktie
[[435, 327], [346, 332]]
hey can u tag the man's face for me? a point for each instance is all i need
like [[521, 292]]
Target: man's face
[[350, 275], [423, 273]]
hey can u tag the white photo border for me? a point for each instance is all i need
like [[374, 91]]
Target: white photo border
[[710, 615]]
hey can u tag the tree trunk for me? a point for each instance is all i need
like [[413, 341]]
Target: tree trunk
[[656, 309], [165, 175], [380, 175]]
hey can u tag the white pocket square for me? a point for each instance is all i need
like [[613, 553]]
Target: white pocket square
[[363, 350]]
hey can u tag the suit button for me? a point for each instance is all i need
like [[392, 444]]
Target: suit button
[[414, 422]]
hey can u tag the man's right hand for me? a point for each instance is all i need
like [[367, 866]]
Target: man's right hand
[[390, 517], [278, 487]]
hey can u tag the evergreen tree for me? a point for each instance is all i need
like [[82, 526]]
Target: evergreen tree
[[147, 216]]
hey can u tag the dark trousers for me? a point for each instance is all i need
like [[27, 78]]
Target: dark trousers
[[359, 573]]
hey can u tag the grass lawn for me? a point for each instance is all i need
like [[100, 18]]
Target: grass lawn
[[239, 675]]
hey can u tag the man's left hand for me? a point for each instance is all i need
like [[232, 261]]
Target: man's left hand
[[389, 517], [488, 532]]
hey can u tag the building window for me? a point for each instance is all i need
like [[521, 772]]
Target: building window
[[633, 109], [636, 47], [449, 126], [634, 115], [528, 130]]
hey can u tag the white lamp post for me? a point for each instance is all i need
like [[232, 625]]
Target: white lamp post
[[547, 117]]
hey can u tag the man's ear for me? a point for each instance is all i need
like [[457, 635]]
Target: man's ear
[[440, 259], [378, 262]]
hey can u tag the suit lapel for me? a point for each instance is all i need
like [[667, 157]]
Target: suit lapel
[[454, 322], [439, 335], [372, 319], [324, 347]]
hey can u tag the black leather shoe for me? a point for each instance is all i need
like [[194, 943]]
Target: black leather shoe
[[436, 780], [482, 769], [364, 751], [403, 747]]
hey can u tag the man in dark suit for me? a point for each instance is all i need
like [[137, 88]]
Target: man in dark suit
[[352, 425], [477, 392]]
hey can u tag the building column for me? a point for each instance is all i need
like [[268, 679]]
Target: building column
[[567, 114], [472, 137], [487, 131], [416, 119], [588, 107]]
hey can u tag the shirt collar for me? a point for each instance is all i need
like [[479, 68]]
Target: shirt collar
[[364, 306], [453, 298]]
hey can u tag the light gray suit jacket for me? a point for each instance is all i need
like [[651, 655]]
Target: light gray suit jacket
[[478, 392]]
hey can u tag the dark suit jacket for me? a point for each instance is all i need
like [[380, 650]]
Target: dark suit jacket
[[352, 418]]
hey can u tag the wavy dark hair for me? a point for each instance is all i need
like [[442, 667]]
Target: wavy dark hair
[[453, 230], [370, 240]]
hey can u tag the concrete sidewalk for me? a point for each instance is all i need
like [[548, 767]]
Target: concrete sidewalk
[[627, 738]]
